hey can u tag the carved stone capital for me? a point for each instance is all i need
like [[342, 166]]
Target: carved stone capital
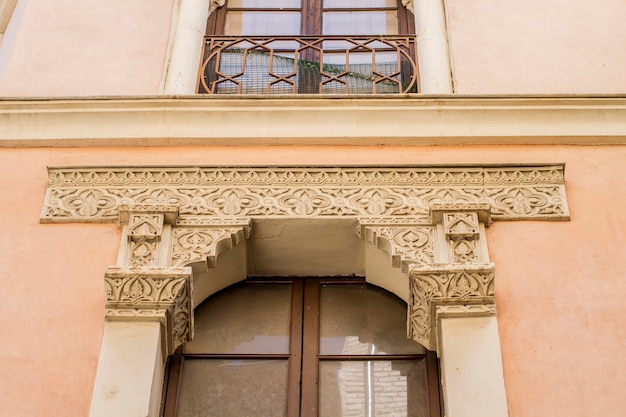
[[162, 294], [449, 288]]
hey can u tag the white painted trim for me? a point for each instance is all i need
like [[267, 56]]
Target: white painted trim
[[184, 54], [130, 371], [471, 367], [432, 47], [11, 13], [289, 120]]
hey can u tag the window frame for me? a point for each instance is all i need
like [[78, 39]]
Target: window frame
[[304, 357]]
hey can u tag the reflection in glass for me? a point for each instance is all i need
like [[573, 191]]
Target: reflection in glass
[[246, 319], [262, 23], [361, 23], [350, 325], [219, 388], [372, 388]]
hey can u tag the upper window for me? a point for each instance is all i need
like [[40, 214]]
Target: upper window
[[309, 46], [302, 347]]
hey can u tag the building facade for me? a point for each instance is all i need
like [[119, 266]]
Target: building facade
[[479, 180]]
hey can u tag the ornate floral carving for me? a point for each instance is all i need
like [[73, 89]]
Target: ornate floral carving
[[448, 285], [94, 195], [152, 293], [192, 244], [141, 253], [406, 245]]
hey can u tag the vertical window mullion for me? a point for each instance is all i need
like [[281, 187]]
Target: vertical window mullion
[[310, 348], [295, 349]]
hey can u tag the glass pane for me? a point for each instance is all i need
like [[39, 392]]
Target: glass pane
[[223, 388], [275, 4], [361, 23], [354, 4], [262, 23], [363, 320], [372, 388], [244, 319]]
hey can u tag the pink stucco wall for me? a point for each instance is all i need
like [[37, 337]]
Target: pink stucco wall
[[89, 47], [560, 285], [537, 46]]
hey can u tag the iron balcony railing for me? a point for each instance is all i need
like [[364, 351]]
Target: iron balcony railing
[[309, 65]]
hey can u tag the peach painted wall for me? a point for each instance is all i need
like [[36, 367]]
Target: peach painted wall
[[537, 46], [560, 286], [117, 47], [89, 47]]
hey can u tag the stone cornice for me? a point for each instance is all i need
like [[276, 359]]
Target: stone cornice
[[312, 120]]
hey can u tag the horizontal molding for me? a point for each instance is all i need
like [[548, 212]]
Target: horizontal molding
[[96, 194], [312, 120]]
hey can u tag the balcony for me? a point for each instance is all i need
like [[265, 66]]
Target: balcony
[[309, 65]]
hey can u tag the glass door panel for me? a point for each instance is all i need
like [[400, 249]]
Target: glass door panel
[[384, 22], [262, 23], [251, 319], [233, 387], [349, 326], [372, 388]]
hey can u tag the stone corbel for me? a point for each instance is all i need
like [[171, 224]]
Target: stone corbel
[[144, 227], [205, 242], [162, 294], [407, 244]]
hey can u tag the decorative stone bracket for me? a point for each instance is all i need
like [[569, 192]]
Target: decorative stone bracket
[[430, 220]]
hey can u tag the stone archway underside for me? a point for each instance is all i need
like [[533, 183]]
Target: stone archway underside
[[431, 220]]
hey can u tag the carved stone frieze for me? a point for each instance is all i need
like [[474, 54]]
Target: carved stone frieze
[[162, 294], [447, 285], [95, 195]]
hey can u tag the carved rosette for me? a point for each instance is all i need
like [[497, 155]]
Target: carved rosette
[[162, 294], [447, 286]]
